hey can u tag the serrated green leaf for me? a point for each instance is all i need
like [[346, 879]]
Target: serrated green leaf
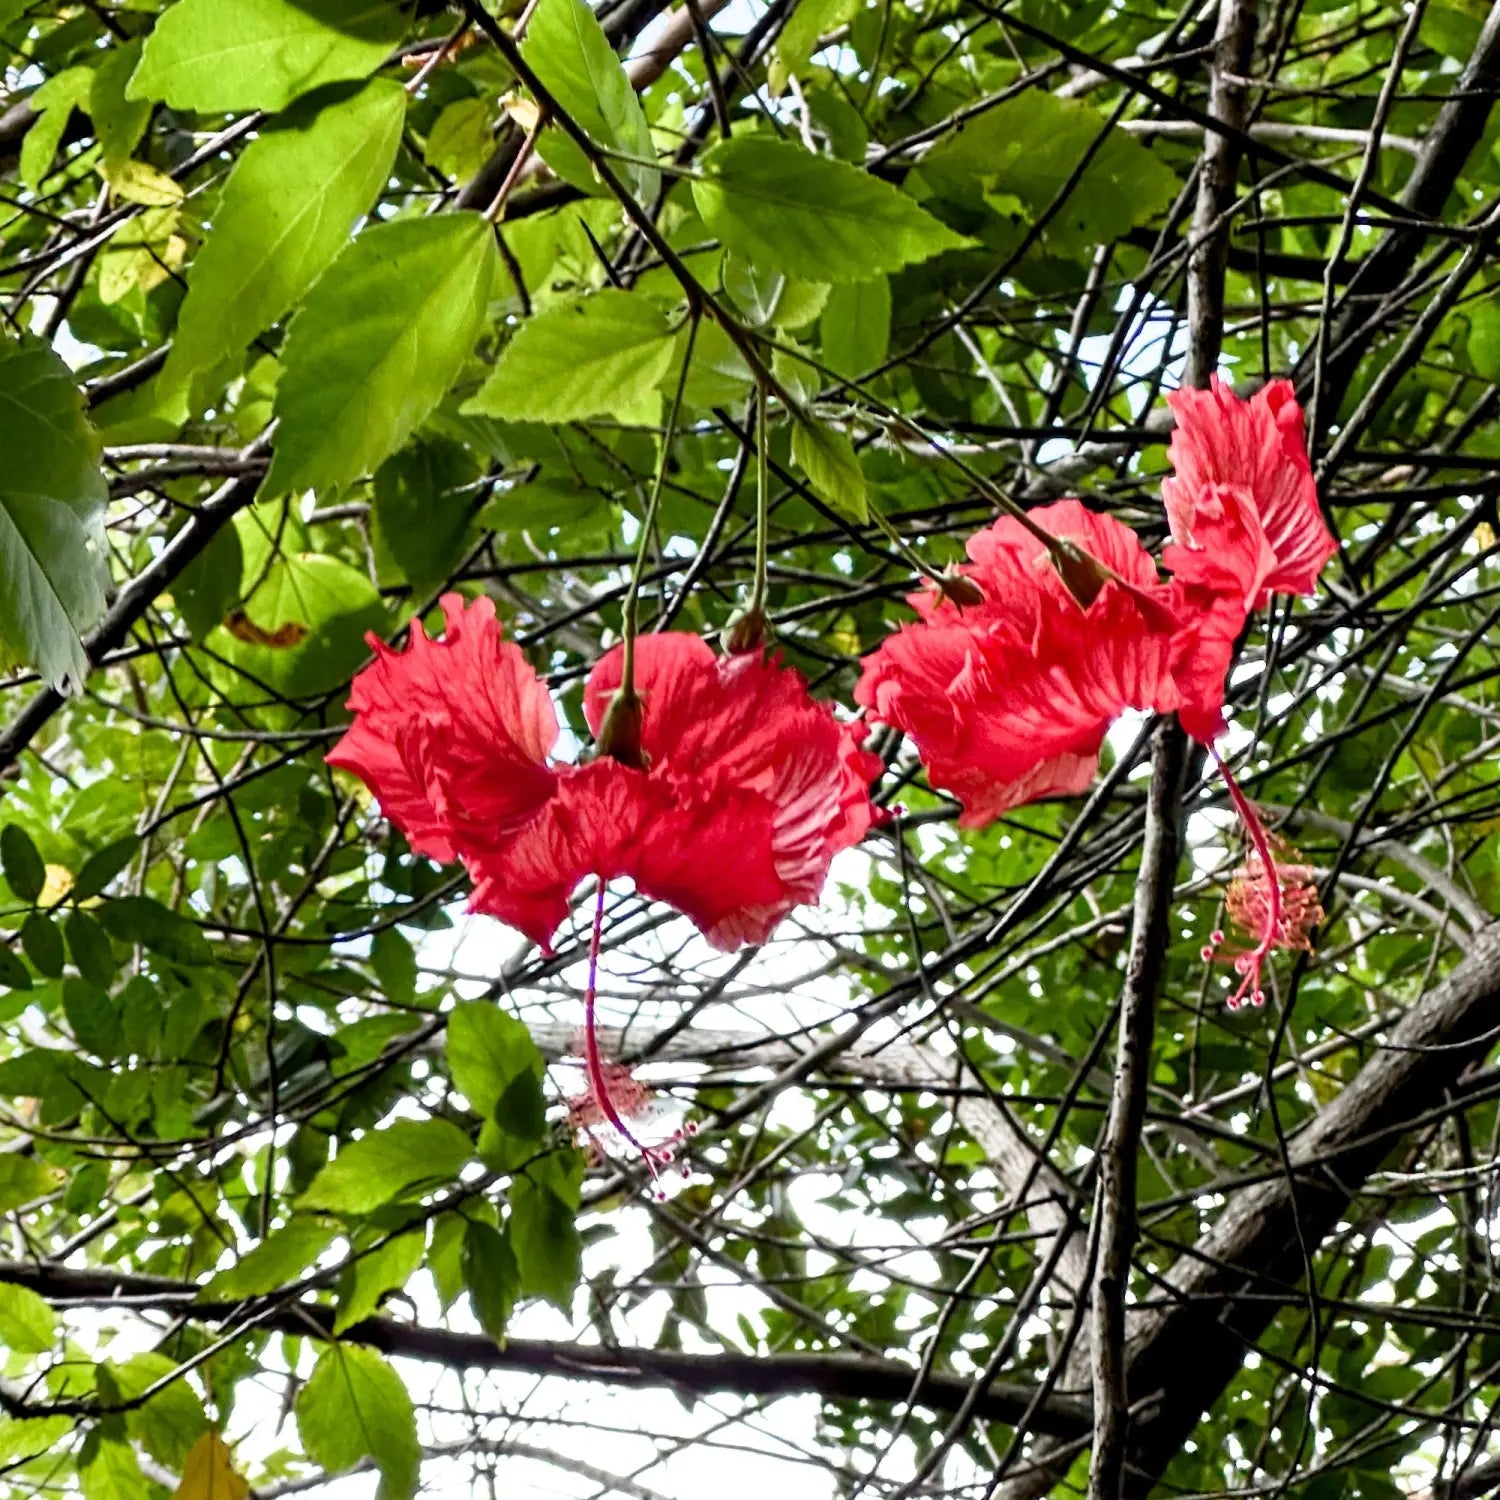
[[24, 869], [171, 1421], [812, 216], [1028, 148], [388, 1163], [285, 215], [52, 493], [394, 961], [572, 57], [810, 20], [354, 1406], [382, 1270], [275, 1262], [220, 55], [831, 466], [492, 1277], [27, 1323], [377, 344], [1483, 342], [486, 1051], [588, 358]]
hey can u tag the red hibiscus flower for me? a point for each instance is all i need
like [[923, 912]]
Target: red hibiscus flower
[[1243, 510], [750, 789], [1010, 699], [745, 790], [1256, 448]]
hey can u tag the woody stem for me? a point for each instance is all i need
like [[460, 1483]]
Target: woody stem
[[630, 612], [593, 1066], [1256, 830], [762, 501]]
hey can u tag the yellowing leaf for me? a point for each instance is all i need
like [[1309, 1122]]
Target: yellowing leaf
[[209, 1472], [56, 885], [139, 182]]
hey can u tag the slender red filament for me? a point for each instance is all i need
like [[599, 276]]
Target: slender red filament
[[598, 1084], [1249, 964]]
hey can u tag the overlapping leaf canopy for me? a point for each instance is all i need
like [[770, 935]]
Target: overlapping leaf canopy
[[316, 308]]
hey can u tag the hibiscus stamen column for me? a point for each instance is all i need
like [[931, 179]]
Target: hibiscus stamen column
[[1248, 965]]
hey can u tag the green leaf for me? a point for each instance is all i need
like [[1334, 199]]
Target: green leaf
[[52, 556], [23, 1179], [487, 1050], [209, 587], [27, 1323], [421, 519], [572, 57], [143, 920], [394, 961], [118, 122], [544, 1237], [831, 466], [93, 956], [14, 975], [382, 1270], [22, 1438], [93, 1017], [1028, 147], [302, 631], [173, 1419], [354, 1406], [276, 1261], [109, 1470], [54, 101], [25, 870], [492, 1277], [1484, 339], [102, 866], [380, 339], [795, 45], [220, 55], [460, 140], [588, 358], [286, 213], [389, 1163], [856, 326], [521, 1111], [811, 216], [43, 944]]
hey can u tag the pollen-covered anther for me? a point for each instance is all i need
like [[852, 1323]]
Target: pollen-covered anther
[[1298, 910]]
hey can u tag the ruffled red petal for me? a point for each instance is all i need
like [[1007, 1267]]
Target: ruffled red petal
[[1258, 445], [589, 828], [452, 736], [751, 777], [1009, 700]]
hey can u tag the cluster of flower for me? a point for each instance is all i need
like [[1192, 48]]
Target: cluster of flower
[[740, 788]]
